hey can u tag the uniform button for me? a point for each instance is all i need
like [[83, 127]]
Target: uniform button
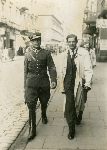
[[37, 59], [37, 67]]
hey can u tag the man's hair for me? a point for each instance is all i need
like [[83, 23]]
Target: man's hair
[[72, 36]]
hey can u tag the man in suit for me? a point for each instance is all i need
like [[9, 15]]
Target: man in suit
[[36, 80], [76, 67]]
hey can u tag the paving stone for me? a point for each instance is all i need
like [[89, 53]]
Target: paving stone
[[92, 104], [103, 108], [90, 143], [93, 123], [37, 143], [59, 122], [94, 115], [99, 132], [86, 115], [92, 109], [59, 142], [92, 99], [56, 114], [52, 109], [49, 130], [91, 95]]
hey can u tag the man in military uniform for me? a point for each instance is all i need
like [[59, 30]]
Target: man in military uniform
[[36, 80]]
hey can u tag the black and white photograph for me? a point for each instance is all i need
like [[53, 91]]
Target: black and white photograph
[[53, 74]]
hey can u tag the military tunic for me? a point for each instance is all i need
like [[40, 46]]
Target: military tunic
[[36, 79]]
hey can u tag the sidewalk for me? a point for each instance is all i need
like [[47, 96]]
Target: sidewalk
[[90, 135]]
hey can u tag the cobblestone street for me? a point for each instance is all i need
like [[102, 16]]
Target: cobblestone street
[[12, 108]]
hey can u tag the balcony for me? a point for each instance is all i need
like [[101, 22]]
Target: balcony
[[86, 11], [89, 30], [103, 12], [90, 19], [3, 21]]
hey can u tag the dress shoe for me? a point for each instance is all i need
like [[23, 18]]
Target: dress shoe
[[31, 136], [71, 136], [71, 133], [44, 120]]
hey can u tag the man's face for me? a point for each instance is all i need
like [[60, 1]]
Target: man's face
[[72, 43], [36, 43], [86, 45]]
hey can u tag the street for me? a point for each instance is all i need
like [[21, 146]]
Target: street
[[91, 134], [12, 108]]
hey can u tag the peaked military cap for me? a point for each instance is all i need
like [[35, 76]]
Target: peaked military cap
[[35, 36]]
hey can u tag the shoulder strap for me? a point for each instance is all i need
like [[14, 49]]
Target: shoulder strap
[[30, 56]]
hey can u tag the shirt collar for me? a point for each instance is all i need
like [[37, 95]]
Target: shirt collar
[[73, 53]]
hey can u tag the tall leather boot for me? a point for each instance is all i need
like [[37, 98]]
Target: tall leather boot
[[32, 125], [44, 117]]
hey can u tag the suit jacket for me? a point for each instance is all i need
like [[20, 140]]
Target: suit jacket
[[69, 79], [36, 67]]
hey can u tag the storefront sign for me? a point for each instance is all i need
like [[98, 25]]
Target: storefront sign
[[2, 31], [103, 44], [101, 23], [12, 36]]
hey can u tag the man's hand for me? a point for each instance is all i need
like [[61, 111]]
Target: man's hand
[[53, 85], [87, 88]]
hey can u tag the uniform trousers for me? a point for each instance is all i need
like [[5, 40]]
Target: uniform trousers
[[32, 94]]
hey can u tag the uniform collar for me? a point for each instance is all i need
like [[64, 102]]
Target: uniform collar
[[36, 50]]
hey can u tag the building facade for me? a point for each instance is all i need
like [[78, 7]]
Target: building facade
[[102, 29], [14, 21], [89, 21], [95, 27], [51, 29]]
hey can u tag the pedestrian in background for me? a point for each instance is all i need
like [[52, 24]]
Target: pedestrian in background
[[91, 51], [93, 57], [5, 54], [36, 80], [76, 75]]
